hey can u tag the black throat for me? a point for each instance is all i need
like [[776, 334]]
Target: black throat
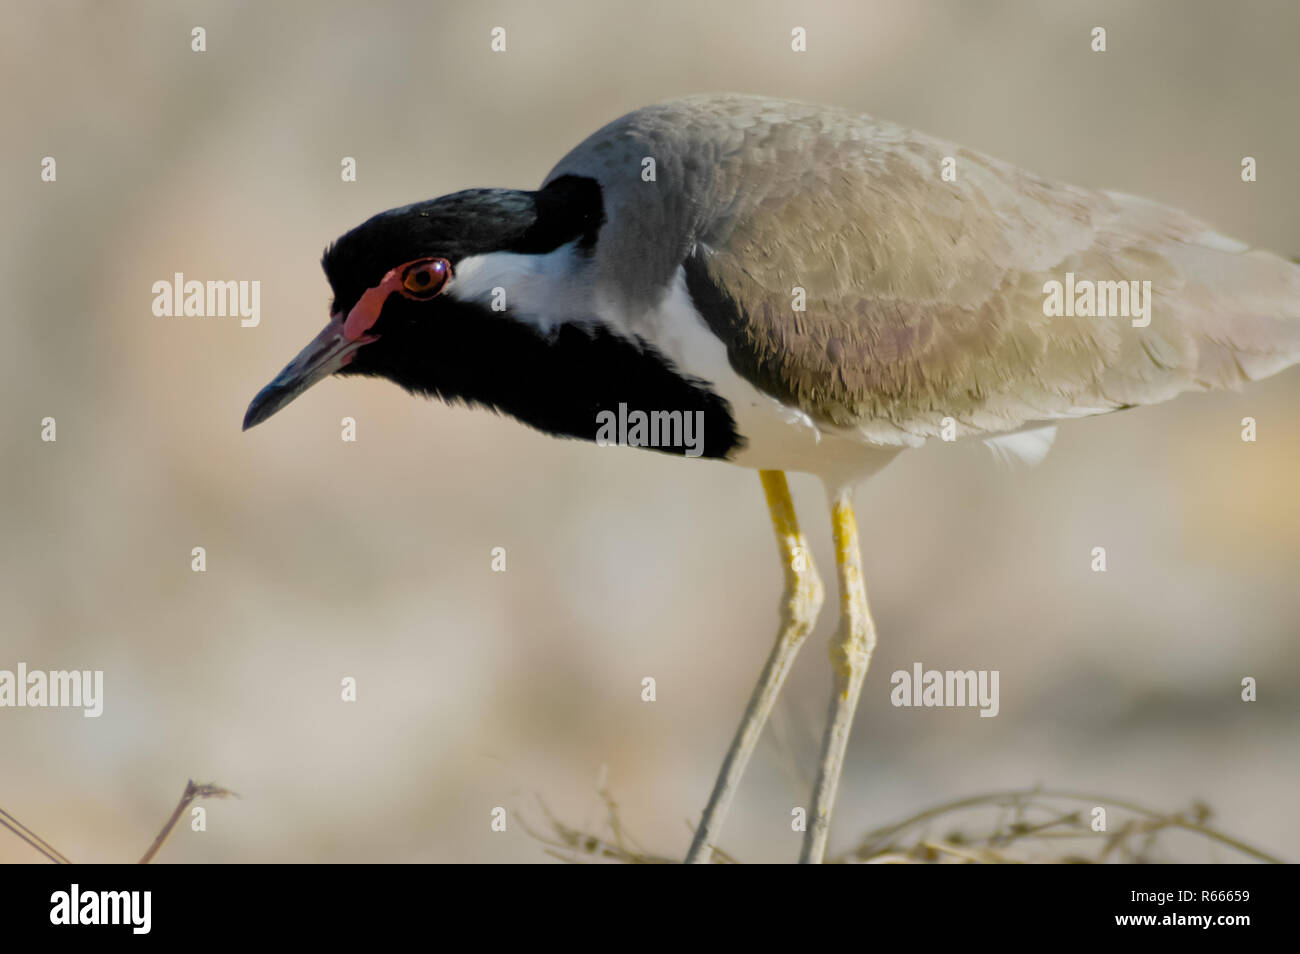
[[573, 382]]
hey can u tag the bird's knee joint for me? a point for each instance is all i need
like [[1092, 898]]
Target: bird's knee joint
[[848, 663], [808, 591], [852, 647], [804, 597]]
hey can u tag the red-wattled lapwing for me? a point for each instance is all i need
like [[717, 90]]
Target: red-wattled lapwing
[[811, 286]]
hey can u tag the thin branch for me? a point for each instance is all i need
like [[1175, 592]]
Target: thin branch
[[874, 840], [1023, 819], [33, 839], [191, 793]]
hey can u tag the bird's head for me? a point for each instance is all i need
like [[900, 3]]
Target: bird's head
[[489, 297], [397, 312]]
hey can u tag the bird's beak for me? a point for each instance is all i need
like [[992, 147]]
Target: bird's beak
[[328, 351]]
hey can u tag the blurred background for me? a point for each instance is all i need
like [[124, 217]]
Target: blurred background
[[371, 559]]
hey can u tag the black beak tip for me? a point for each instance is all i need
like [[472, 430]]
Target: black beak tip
[[259, 409]]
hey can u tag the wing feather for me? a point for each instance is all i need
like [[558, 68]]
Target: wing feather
[[924, 297]]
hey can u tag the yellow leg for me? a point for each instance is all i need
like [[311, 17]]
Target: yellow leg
[[850, 656], [799, 606]]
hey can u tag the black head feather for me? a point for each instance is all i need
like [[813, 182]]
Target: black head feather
[[466, 223]]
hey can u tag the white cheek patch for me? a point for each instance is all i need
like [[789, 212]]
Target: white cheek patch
[[541, 290]]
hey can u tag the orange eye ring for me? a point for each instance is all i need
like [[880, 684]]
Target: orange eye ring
[[425, 278]]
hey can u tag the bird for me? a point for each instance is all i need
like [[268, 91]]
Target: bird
[[818, 290]]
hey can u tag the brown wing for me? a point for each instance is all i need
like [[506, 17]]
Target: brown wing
[[924, 297]]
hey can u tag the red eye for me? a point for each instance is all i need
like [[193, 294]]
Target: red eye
[[424, 279]]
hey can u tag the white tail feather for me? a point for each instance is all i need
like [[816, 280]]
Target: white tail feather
[[1028, 447]]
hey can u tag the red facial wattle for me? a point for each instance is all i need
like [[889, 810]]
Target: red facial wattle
[[338, 342], [419, 280]]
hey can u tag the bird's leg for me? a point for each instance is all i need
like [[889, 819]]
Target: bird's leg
[[799, 605], [851, 650]]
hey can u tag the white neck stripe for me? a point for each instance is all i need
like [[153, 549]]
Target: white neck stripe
[[540, 290]]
